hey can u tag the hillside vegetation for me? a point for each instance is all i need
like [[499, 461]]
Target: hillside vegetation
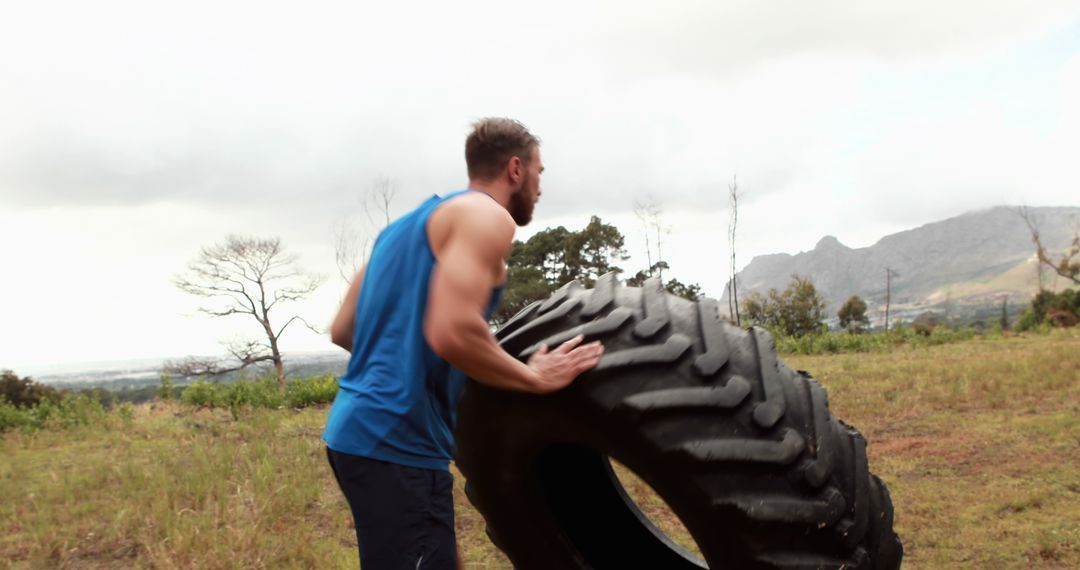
[[978, 440]]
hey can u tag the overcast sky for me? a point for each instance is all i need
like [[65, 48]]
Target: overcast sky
[[132, 133]]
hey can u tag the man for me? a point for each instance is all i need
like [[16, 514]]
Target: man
[[416, 322]]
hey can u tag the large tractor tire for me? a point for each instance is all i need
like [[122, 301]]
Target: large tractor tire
[[741, 447]]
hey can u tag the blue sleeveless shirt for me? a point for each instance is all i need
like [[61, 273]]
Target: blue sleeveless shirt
[[397, 401]]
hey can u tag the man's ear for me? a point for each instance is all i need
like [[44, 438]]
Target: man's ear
[[515, 170]]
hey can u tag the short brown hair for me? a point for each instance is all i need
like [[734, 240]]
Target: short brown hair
[[493, 142]]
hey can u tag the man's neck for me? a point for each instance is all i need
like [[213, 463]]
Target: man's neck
[[498, 191]]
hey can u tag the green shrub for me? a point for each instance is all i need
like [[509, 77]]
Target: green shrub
[[165, 391], [311, 391], [881, 341], [70, 411], [261, 393], [24, 391], [798, 311], [202, 394], [12, 416], [126, 413], [852, 315], [1046, 305]]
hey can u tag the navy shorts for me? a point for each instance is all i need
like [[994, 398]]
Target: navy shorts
[[404, 516]]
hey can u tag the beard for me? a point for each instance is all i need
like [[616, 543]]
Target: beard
[[521, 207]]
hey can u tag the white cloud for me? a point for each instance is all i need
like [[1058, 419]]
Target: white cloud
[[135, 132]]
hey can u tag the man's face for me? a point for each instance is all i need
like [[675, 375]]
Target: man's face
[[524, 198]]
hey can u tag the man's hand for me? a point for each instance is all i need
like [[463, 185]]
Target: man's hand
[[557, 368]]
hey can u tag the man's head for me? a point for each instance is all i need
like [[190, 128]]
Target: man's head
[[503, 152]]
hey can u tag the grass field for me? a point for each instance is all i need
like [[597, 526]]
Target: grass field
[[978, 441]]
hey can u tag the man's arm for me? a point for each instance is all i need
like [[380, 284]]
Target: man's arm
[[460, 289], [341, 331]]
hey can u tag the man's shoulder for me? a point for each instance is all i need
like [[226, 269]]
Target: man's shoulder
[[476, 210], [471, 218]]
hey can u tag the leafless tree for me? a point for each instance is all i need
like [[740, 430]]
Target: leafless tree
[[353, 238], [661, 230], [245, 276], [650, 214], [733, 222], [645, 210], [1067, 265], [350, 248]]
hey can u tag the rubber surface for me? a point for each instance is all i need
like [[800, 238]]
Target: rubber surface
[[741, 447]]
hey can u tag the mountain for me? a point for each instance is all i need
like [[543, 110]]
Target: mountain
[[971, 260]]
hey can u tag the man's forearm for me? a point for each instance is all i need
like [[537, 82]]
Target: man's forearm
[[472, 349]]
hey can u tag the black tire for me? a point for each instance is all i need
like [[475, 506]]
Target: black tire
[[741, 447]]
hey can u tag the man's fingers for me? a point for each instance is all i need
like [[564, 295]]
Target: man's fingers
[[586, 365], [569, 362], [586, 357], [570, 344], [589, 349]]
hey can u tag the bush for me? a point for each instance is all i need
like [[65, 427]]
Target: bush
[[798, 311], [166, 390], [1028, 320], [311, 391], [1057, 309], [202, 394], [126, 413], [881, 341], [24, 391], [70, 411], [1061, 318], [12, 416], [923, 329], [852, 315], [261, 393]]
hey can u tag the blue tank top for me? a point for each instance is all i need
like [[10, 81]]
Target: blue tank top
[[397, 400]]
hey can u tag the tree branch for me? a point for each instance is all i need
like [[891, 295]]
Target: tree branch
[[245, 273], [310, 327], [1064, 266]]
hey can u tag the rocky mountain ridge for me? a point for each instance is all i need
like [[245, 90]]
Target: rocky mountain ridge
[[977, 258]]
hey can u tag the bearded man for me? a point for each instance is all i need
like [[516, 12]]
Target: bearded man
[[415, 320]]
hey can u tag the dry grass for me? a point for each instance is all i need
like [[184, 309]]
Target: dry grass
[[978, 441]]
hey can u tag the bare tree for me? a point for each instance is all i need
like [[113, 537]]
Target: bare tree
[[1067, 265], [350, 248], [733, 222], [650, 214], [352, 238], [661, 230], [245, 276], [645, 212]]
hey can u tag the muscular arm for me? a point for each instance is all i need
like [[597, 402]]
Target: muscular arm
[[461, 285], [341, 331]]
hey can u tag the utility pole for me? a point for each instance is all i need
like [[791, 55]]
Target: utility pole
[[889, 274]]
